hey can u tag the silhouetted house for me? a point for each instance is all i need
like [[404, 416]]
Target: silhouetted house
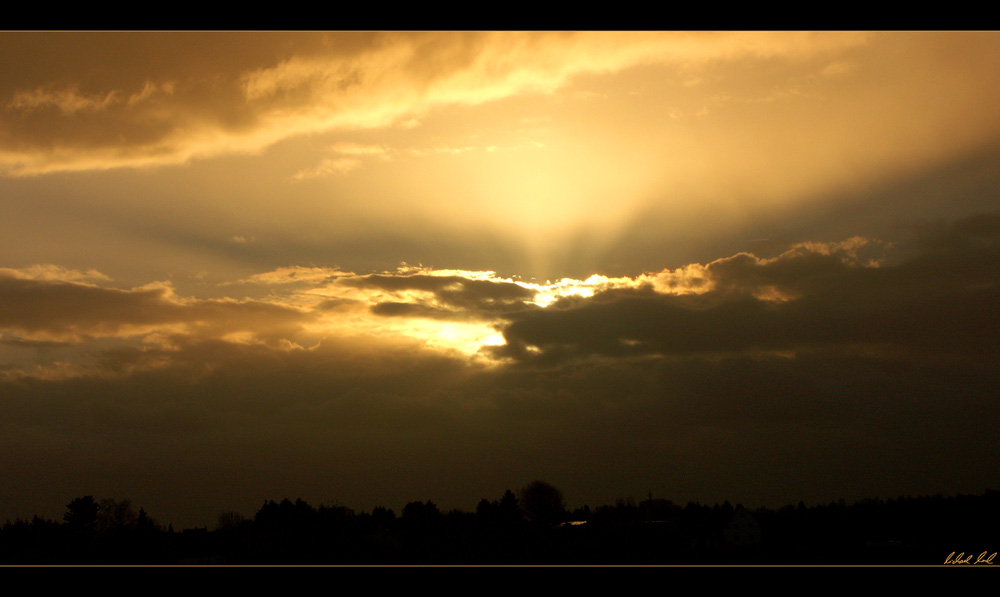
[[743, 529]]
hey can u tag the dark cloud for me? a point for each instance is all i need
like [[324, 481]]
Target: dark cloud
[[390, 309], [979, 231], [34, 305], [452, 297], [223, 417], [336, 304], [229, 425], [69, 309], [942, 299]]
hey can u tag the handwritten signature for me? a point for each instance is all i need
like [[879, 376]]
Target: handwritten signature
[[967, 559]]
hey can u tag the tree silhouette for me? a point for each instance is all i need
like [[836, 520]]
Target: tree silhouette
[[542, 502], [229, 519], [485, 507], [421, 515], [509, 509], [383, 516], [116, 516], [81, 514]]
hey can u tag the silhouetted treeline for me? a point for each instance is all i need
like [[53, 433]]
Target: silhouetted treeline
[[531, 527]]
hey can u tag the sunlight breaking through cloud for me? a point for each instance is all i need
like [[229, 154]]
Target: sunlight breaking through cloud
[[467, 313]]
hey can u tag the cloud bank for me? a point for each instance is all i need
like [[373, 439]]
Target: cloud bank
[[852, 368]]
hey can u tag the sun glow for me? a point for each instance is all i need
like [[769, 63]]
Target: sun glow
[[461, 314], [466, 338]]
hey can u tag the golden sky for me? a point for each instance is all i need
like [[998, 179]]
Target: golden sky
[[500, 239]]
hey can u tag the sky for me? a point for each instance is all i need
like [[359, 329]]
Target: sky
[[369, 268]]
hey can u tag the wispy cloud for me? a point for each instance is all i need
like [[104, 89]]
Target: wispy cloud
[[53, 273], [150, 89], [328, 167], [359, 149], [68, 101], [392, 81]]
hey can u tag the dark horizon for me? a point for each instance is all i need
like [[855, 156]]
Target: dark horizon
[[535, 526]]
